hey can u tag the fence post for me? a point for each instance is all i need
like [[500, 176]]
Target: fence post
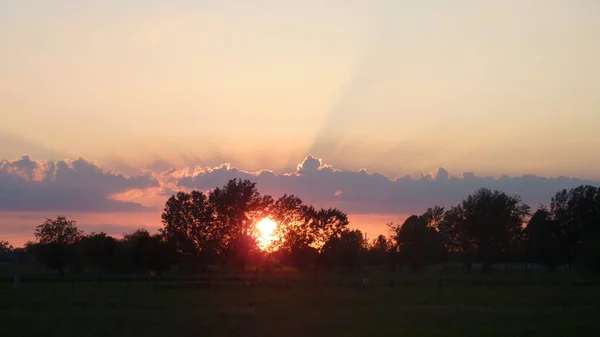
[[17, 284]]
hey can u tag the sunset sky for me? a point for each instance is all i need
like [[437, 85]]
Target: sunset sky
[[107, 96]]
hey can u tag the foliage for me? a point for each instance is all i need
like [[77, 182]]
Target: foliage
[[5, 249], [418, 241], [98, 251], [55, 242], [544, 239], [577, 212], [59, 231], [486, 222], [345, 250]]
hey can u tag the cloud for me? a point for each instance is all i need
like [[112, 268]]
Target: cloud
[[66, 185], [361, 192], [83, 186]]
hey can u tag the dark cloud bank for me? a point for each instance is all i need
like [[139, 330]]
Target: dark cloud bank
[[80, 185], [65, 185]]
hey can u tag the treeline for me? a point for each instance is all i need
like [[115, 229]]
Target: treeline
[[218, 227], [61, 246], [490, 227]]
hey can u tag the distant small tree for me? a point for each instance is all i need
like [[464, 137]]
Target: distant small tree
[[379, 250], [5, 249], [55, 240]]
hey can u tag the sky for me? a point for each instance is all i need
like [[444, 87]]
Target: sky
[[108, 106]]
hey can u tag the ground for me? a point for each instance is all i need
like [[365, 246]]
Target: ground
[[288, 307]]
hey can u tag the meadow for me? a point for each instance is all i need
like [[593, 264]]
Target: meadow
[[287, 303]]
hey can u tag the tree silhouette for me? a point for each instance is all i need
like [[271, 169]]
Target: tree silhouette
[[544, 242], [5, 249], [578, 214], [487, 223], [61, 231], [455, 246], [188, 223], [418, 242], [98, 251], [345, 250], [325, 224], [236, 207], [150, 252], [378, 251], [55, 242]]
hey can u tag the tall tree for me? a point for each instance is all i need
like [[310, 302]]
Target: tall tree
[[236, 208], [488, 222], [578, 213], [188, 223]]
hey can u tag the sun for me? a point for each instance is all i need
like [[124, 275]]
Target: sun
[[266, 228]]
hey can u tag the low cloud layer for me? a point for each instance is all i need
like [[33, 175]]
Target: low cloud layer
[[362, 192], [80, 185], [65, 185]]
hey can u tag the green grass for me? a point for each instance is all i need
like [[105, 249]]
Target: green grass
[[296, 305]]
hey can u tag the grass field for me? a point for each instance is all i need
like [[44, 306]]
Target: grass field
[[292, 308]]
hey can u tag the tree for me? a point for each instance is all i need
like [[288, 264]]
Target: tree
[[98, 251], [55, 240], [544, 243], [150, 252], [578, 214], [378, 251], [236, 208], [487, 222], [5, 249], [292, 230], [455, 246], [222, 223], [325, 224], [60, 231], [345, 250], [418, 242], [188, 223]]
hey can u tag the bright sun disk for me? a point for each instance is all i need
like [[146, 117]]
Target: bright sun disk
[[266, 227]]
